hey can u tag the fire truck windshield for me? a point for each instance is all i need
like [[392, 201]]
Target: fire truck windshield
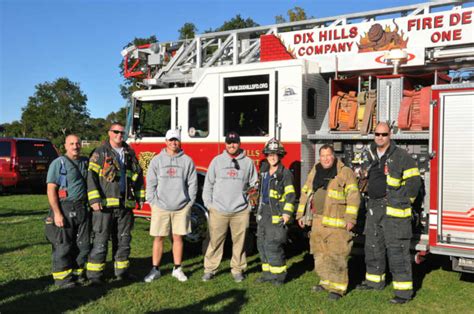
[[152, 118]]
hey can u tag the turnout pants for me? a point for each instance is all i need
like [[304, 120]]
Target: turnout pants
[[391, 236], [117, 224], [71, 243], [331, 248], [218, 224], [271, 239]]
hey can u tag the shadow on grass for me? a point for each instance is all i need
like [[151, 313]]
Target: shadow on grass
[[19, 248], [55, 301], [17, 212], [237, 299]]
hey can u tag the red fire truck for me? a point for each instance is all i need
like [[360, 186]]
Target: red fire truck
[[323, 81]]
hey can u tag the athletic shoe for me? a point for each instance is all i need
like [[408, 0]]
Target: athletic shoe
[[152, 275], [207, 276], [239, 277], [178, 274]]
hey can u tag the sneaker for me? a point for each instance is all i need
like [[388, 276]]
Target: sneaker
[[239, 277], [207, 276], [398, 300], [333, 296], [152, 275], [178, 274]]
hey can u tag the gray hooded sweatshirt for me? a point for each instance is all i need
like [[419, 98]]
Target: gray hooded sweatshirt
[[171, 181], [225, 186]]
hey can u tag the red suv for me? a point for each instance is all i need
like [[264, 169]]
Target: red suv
[[25, 161]]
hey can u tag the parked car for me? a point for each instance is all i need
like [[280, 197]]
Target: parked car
[[24, 162]]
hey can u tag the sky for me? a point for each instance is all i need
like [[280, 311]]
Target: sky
[[41, 40]]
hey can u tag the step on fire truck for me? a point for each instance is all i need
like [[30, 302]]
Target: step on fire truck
[[323, 81]]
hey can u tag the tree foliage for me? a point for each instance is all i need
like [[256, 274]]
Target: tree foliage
[[14, 129], [237, 22], [55, 110], [295, 14], [187, 31]]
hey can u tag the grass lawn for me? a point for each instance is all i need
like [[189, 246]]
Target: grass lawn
[[26, 283]]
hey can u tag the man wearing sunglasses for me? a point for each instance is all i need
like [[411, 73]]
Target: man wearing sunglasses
[[229, 177], [393, 184], [114, 187]]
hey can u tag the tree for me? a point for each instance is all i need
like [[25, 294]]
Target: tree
[[119, 116], [237, 22], [295, 14], [56, 109], [14, 129], [187, 31]]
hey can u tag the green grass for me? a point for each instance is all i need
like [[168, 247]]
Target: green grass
[[26, 284]]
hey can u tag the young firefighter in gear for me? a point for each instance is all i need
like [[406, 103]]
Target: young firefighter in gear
[[114, 187], [333, 190], [393, 184], [277, 198], [68, 223]]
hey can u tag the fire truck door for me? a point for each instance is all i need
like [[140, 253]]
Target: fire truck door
[[456, 168]]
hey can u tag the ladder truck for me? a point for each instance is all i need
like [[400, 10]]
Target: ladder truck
[[325, 80]]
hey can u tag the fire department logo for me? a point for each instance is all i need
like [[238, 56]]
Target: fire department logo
[[144, 159], [171, 172], [232, 173]]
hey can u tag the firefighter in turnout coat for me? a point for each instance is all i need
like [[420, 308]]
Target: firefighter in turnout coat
[[393, 184], [276, 207], [331, 190], [114, 187]]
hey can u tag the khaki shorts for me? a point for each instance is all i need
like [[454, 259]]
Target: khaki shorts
[[165, 221]]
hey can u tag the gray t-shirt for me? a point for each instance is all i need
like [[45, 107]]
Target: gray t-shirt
[[76, 185]]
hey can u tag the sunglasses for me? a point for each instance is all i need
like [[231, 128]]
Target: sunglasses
[[236, 164], [381, 134], [117, 132]]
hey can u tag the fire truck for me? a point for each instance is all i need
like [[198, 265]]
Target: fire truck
[[321, 81]]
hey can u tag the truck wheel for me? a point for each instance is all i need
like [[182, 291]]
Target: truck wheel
[[199, 227]]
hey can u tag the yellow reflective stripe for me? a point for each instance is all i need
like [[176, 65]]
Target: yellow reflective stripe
[[265, 267], [398, 212], [289, 189], [92, 195], [276, 219], [393, 181], [121, 264], [301, 208], [78, 271], [141, 194], [412, 199], [338, 286], [277, 269], [134, 177], [95, 266], [61, 275], [324, 282], [289, 207], [352, 210], [304, 189], [412, 172], [351, 187], [374, 278], [337, 195], [274, 194], [333, 222], [403, 285], [94, 167], [112, 201]]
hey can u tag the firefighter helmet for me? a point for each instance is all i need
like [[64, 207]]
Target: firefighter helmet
[[274, 146]]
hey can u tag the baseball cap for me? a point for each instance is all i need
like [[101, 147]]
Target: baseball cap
[[170, 134], [232, 137]]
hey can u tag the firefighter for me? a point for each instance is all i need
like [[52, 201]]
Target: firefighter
[[333, 190], [229, 177], [393, 184], [68, 223], [276, 207], [114, 187]]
